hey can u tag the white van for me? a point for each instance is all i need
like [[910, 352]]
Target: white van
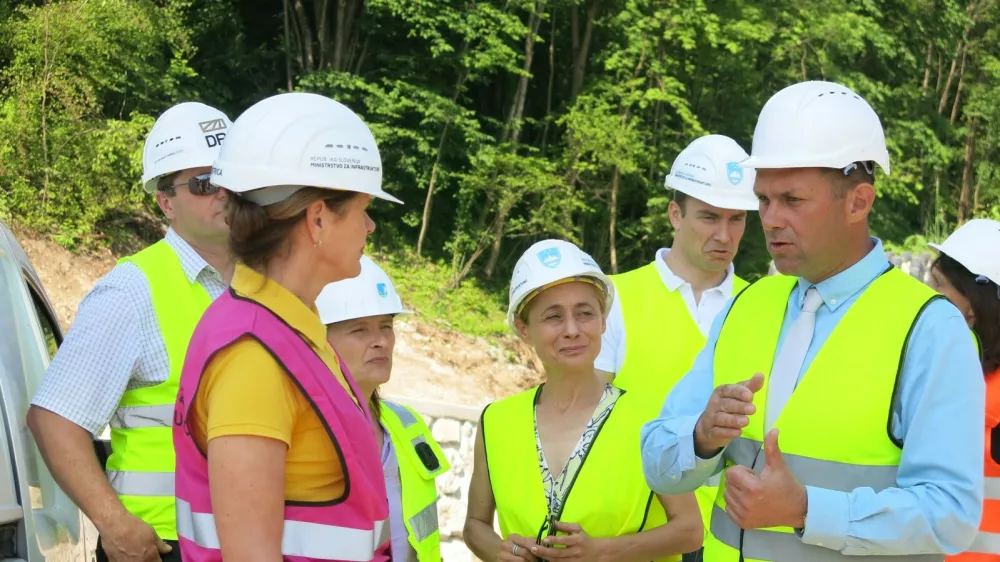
[[38, 522]]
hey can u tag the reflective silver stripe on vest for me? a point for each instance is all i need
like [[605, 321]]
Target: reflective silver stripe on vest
[[843, 477], [130, 483], [714, 480], [759, 544], [425, 522], [991, 488], [134, 417], [986, 543], [299, 538], [405, 416]]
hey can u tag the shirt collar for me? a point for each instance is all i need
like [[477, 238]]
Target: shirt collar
[[279, 300], [191, 263], [673, 281], [836, 290]]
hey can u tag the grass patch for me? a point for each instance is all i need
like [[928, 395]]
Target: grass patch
[[470, 309]]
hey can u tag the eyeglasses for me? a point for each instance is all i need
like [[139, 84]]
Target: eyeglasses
[[199, 185]]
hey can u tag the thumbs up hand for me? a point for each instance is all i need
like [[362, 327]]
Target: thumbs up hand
[[775, 498]]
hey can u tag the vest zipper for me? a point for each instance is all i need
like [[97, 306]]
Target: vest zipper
[[583, 461], [742, 531]]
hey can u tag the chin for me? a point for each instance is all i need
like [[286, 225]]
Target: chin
[[576, 362], [788, 266]]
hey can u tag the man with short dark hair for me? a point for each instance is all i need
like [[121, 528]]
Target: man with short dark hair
[[121, 360], [870, 376], [663, 310]]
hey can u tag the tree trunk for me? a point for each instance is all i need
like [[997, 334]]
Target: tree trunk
[[580, 63], [958, 90], [927, 68], [426, 219], [940, 62], [513, 128], [45, 137], [361, 57], [613, 212], [352, 33], [306, 37], [951, 77], [428, 202], [322, 31], [964, 206], [548, 91], [288, 48], [975, 197], [516, 113], [341, 41]]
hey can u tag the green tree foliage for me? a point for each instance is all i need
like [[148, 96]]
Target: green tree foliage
[[500, 123]]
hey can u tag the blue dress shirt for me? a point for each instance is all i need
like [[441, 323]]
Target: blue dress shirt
[[938, 415]]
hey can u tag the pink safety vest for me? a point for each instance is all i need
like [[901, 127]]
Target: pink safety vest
[[353, 527]]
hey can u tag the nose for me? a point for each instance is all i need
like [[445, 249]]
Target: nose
[[723, 234], [369, 224], [572, 329], [770, 217]]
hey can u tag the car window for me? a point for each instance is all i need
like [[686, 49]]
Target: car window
[[46, 323]]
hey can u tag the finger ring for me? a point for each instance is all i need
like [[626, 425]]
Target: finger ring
[[516, 549]]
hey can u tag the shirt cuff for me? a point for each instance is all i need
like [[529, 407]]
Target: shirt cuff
[[827, 518], [686, 457]]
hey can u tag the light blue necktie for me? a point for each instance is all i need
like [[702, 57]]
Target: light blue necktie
[[785, 371]]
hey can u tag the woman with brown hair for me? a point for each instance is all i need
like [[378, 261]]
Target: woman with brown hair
[[275, 456], [967, 271]]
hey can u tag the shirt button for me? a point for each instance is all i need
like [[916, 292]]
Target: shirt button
[[833, 301]]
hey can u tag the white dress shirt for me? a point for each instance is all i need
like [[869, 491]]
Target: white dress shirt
[[612, 355]]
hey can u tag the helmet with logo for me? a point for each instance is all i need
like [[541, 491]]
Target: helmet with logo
[[290, 141], [369, 294], [548, 263], [975, 245], [188, 135], [709, 169], [817, 124]]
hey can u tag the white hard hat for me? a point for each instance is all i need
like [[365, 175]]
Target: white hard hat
[[975, 245], [369, 294], [817, 124], [290, 141], [548, 262], [709, 169], [188, 135]]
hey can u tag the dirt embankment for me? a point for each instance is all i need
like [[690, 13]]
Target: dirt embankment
[[430, 363]]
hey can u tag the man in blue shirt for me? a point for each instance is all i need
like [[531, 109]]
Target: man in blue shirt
[[814, 149]]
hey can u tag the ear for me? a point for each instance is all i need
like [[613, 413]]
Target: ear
[[316, 221], [166, 204], [522, 330], [859, 202], [674, 213]]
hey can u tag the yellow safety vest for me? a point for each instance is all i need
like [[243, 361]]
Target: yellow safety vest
[[141, 465], [609, 496], [420, 461], [829, 438], [662, 343]]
